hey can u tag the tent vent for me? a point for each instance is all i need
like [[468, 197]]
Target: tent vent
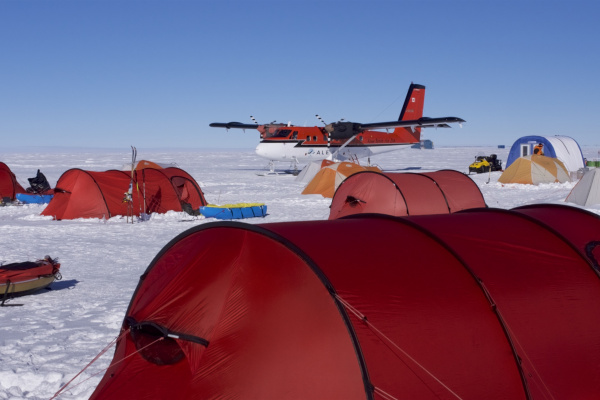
[[158, 344]]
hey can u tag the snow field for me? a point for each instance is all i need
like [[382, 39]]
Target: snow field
[[56, 333]]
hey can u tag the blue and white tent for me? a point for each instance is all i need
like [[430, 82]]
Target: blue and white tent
[[564, 148]]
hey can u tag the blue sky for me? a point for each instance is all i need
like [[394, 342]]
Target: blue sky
[[154, 74]]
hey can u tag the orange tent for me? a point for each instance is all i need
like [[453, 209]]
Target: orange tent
[[331, 176], [534, 170], [311, 170]]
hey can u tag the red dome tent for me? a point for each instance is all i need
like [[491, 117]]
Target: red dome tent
[[401, 194], [9, 187], [91, 194], [424, 308]]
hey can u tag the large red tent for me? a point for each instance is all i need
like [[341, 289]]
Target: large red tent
[[92, 194], [401, 194], [365, 307]]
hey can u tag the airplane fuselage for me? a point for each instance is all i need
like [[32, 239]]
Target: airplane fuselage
[[303, 144]]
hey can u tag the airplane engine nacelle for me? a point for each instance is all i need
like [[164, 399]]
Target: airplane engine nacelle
[[343, 130]]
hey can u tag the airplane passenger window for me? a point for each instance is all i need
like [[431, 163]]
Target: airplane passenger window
[[315, 138], [295, 135], [308, 138]]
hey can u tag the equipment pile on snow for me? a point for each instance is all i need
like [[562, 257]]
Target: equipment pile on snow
[[38, 192]]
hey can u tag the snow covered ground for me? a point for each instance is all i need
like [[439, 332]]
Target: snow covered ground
[[56, 333]]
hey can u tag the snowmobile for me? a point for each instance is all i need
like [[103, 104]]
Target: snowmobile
[[486, 164]]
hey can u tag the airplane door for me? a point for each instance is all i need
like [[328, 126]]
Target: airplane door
[[524, 150]]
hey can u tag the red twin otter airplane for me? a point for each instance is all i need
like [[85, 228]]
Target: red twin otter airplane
[[344, 140]]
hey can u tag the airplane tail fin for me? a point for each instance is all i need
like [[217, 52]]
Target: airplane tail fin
[[413, 104], [411, 110]]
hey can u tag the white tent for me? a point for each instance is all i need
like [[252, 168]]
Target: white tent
[[568, 151], [565, 148], [587, 190]]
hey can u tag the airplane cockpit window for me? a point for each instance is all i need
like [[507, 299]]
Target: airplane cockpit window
[[283, 133], [295, 135], [360, 138]]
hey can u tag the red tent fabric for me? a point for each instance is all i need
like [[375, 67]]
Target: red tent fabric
[[9, 187], [460, 191], [420, 307], [545, 291], [91, 194], [401, 194], [578, 226]]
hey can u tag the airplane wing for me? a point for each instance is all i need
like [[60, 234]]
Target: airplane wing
[[229, 125], [342, 130], [423, 122]]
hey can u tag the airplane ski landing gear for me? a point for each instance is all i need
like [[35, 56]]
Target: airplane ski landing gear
[[271, 171], [294, 167]]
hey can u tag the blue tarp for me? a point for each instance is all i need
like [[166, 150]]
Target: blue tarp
[[29, 198], [234, 212]]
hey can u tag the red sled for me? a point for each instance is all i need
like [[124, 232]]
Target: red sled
[[19, 279]]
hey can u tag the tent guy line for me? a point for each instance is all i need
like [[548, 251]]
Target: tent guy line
[[366, 321]]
